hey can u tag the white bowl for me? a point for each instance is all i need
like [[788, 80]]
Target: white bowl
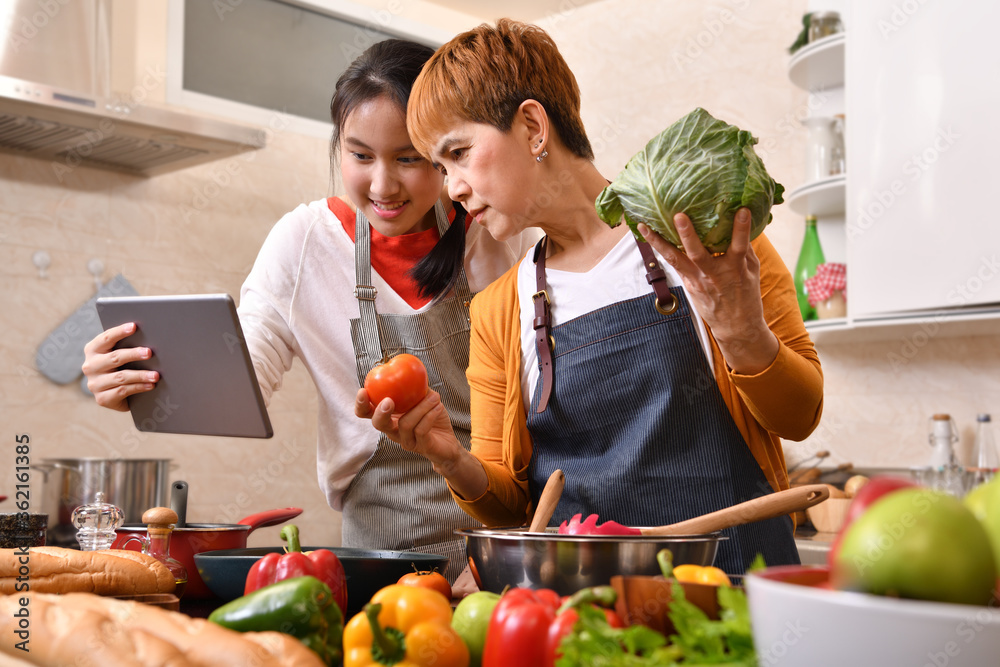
[[796, 623]]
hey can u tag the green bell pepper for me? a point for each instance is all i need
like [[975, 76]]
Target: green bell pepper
[[302, 607]]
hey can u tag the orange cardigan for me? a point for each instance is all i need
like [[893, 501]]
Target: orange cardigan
[[785, 400]]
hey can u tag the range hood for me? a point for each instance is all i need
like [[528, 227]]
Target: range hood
[[54, 78]]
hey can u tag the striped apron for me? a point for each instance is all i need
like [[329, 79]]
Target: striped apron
[[397, 501], [637, 423]]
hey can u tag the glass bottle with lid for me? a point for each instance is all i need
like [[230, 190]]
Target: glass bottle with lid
[[985, 458], [96, 523], [160, 522]]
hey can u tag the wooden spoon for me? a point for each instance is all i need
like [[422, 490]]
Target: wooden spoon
[[758, 509], [765, 507], [547, 501]]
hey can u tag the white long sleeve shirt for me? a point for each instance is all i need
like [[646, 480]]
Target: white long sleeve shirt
[[298, 301]]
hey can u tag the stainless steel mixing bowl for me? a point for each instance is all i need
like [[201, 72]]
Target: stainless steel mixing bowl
[[566, 563]]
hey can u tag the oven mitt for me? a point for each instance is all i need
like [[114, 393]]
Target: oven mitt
[[60, 355]]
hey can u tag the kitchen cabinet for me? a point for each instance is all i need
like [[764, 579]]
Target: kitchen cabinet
[[909, 217]]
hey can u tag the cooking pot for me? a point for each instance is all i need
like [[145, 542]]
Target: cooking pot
[[133, 485], [195, 538]]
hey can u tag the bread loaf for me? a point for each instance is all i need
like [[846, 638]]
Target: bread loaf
[[59, 570], [86, 630]]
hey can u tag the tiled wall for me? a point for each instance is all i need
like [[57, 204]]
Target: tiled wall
[[663, 58], [196, 230], [190, 232]]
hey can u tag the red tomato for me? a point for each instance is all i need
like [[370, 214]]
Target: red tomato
[[432, 580], [403, 379]]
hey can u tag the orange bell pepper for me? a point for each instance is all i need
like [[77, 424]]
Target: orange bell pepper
[[698, 574], [404, 626]]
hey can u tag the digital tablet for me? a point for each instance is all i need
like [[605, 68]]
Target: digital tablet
[[207, 383]]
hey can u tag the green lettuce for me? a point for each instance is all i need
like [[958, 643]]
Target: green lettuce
[[700, 166]]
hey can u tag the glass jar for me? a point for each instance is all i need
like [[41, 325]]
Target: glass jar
[[819, 147], [838, 156], [824, 24], [834, 306]]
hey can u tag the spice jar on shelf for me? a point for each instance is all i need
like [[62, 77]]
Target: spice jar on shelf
[[824, 24]]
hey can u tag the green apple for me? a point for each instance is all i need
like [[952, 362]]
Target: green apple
[[471, 621], [921, 544], [984, 501]]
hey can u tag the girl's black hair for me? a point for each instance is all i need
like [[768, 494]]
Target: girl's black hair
[[389, 68]]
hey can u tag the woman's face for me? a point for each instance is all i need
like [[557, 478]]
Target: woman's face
[[383, 173], [493, 174]]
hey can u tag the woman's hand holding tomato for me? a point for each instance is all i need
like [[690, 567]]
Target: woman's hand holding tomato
[[402, 379]]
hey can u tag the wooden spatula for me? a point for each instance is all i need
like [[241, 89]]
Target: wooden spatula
[[758, 509], [547, 501]]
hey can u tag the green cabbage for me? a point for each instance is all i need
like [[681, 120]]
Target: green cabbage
[[700, 166]]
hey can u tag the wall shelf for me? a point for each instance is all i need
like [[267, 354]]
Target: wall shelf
[[916, 328], [821, 198], [819, 65]]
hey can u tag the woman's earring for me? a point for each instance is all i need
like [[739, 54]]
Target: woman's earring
[[542, 156]]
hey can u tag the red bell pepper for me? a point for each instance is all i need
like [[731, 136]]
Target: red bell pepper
[[527, 625], [322, 564]]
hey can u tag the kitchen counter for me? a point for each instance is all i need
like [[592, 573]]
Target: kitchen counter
[[813, 546]]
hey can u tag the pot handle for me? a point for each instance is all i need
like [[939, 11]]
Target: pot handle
[[270, 517]]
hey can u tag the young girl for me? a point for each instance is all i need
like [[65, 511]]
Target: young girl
[[342, 281], [659, 382]]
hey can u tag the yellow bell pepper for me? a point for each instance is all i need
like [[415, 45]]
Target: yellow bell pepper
[[404, 626], [698, 574]]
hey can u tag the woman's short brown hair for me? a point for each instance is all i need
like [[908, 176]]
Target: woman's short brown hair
[[484, 75]]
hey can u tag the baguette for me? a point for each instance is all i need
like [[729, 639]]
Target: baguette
[[107, 572], [87, 630]]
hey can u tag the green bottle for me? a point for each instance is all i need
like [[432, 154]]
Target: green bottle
[[810, 257]]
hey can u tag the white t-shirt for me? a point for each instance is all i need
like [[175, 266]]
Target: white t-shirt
[[298, 301], [619, 276]]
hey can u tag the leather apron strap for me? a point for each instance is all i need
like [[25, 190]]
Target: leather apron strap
[[545, 344]]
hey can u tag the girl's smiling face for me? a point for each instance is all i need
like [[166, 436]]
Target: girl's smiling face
[[384, 175]]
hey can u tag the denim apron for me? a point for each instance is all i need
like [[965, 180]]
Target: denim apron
[[397, 501], [636, 421]]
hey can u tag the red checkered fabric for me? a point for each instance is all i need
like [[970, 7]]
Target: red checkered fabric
[[829, 278]]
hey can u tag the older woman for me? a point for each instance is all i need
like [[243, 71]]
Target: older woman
[[661, 391]]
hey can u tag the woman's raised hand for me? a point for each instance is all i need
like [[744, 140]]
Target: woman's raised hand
[[110, 384], [725, 290], [425, 429]]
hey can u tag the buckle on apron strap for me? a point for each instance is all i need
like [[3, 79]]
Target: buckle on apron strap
[[365, 292]]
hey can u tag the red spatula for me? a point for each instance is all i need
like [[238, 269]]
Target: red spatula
[[758, 509]]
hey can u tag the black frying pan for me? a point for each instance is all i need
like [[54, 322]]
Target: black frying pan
[[225, 571]]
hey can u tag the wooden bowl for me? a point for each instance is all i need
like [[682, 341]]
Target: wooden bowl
[[645, 600], [829, 515]]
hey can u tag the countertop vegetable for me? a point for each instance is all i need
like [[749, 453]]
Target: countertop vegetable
[[303, 607], [430, 579], [700, 166], [405, 626], [322, 564], [528, 626]]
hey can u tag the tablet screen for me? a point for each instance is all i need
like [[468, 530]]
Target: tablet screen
[[207, 382]]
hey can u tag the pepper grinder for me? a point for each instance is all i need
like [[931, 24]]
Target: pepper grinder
[[160, 522], [96, 524]]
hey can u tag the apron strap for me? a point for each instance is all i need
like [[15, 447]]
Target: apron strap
[[666, 303], [365, 292], [544, 343]]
